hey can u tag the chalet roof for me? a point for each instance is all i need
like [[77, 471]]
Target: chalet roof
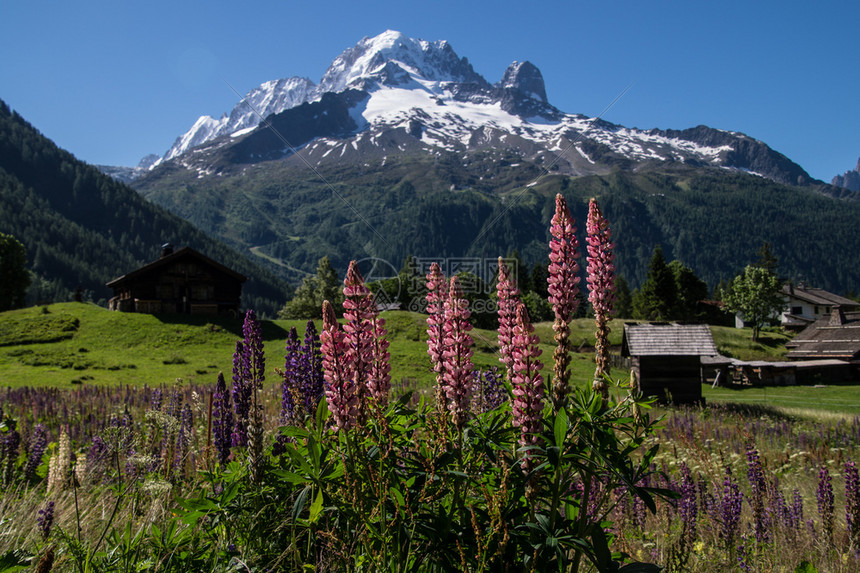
[[817, 296], [827, 338], [668, 340], [172, 257]]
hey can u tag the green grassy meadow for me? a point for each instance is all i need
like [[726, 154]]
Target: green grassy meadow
[[66, 344]]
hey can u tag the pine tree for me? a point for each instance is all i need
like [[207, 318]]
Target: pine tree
[[658, 297], [309, 296], [14, 277]]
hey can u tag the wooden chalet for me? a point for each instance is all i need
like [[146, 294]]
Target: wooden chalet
[[805, 305], [181, 281], [834, 337], [666, 359]]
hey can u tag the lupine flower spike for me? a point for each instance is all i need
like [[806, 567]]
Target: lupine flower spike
[[357, 310], [312, 383], [852, 503], [379, 377], [601, 285], [340, 391], [291, 377], [508, 298], [369, 343], [457, 355], [222, 420], [437, 292], [255, 373], [563, 286], [528, 388]]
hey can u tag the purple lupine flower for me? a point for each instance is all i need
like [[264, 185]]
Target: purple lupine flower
[[527, 382], [183, 439], [687, 506], [340, 390], [38, 444], [256, 359], [46, 519], [825, 502], [312, 381], [222, 420], [292, 377], [457, 354], [437, 293], [489, 391], [796, 509], [155, 401], [601, 285], [731, 500], [852, 503], [743, 556], [757, 499], [563, 288], [508, 297], [10, 450], [242, 394], [98, 451]]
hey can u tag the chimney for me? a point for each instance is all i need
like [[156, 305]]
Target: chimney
[[837, 317], [166, 249]]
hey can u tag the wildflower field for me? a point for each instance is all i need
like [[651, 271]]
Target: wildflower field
[[524, 457]]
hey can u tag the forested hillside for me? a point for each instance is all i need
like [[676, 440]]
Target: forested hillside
[[484, 204], [82, 228]]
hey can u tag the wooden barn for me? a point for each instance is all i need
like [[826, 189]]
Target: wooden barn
[[666, 359], [181, 281]]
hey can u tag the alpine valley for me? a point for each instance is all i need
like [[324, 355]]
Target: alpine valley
[[403, 149]]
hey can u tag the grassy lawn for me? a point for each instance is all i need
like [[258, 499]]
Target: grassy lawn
[[801, 400]]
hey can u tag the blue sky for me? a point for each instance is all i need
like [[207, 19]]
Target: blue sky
[[113, 81]]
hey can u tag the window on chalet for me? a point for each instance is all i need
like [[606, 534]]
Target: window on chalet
[[797, 310]]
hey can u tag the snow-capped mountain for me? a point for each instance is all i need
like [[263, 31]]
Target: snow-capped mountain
[[426, 98]]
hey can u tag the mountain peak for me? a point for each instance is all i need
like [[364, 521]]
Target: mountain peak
[[427, 61], [849, 180], [526, 78]]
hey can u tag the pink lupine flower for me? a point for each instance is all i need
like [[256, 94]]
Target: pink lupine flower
[[437, 292], [527, 382], [601, 284], [358, 308], [563, 286], [340, 390], [457, 369], [379, 376], [508, 295]]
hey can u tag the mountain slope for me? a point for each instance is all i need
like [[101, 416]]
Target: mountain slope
[[80, 227]]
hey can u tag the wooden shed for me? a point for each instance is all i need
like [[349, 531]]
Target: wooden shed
[[666, 359], [180, 281]]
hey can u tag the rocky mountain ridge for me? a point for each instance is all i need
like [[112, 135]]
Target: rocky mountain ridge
[[849, 180]]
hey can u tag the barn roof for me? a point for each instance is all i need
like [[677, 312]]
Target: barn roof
[[174, 256], [667, 340], [836, 336]]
